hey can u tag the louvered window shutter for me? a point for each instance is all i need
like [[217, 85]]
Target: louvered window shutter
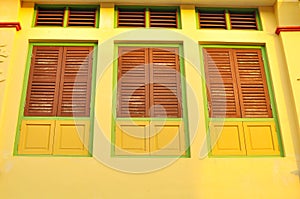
[[212, 19], [163, 19], [82, 17], [133, 89], [131, 18], [243, 20], [43, 83], [252, 85], [165, 91], [221, 84], [50, 17], [75, 84]]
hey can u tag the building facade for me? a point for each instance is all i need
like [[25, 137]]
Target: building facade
[[160, 99]]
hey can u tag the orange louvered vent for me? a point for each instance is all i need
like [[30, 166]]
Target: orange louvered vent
[[212, 19], [82, 17], [163, 19], [50, 17], [243, 20], [131, 18]]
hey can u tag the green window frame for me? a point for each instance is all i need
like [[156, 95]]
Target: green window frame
[[67, 19], [229, 18], [117, 122], [53, 122], [145, 11], [222, 130]]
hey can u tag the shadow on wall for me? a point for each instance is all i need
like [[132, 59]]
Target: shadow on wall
[[3, 56]]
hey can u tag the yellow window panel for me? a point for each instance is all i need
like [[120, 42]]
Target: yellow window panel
[[132, 138], [71, 138], [167, 138], [36, 137], [261, 138], [227, 138]]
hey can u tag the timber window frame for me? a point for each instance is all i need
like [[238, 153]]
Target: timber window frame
[[232, 131], [228, 18], [147, 17], [148, 134], [82, 16], [50, 133]]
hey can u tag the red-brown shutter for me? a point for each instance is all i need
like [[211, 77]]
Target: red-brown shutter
[[43, 83], [243, 20], [212, 19], [165, 90], [82, 17], [133, 89], [221, 84], [252, 85], [131, 18], [50, 17], [75, 84], [163, 19]]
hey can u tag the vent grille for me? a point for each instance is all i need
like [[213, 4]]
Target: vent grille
[[130, 18], [163, 19], [211, 19], [82, 17], [243, 20], [50, 17]]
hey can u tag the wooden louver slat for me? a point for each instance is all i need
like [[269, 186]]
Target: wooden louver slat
[[243, 20], [75, 85], [236, 83], [212, 19], [163, 19], [221, 84], [253, 91], [59, 81], [49, 17], [43, 83], [82, 17], [131, 18], [148, 82]]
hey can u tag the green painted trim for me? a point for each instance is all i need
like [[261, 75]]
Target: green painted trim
[[227, 20], [197, 18], [151, 156], [272, 100], [48, 155], [184, 101], [245, 156], [174, 45], [258, 20], [97, 22], [34, 17], [23, 99], [147, 18], [66, 17], [271, 94], [21, 116]]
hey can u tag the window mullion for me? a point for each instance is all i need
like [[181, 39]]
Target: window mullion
[[149, 83], [227, 19], [60, 80], [147, 17], [66, 16]]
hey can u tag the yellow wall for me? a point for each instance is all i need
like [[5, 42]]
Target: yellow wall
[[103, 176]]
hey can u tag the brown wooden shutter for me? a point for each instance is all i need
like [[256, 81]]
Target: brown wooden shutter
[[43, 83], [82, 17], [133, 89], [163, 19], [131, 18], [221, 84], [165, 90], [252, 85], [243, 20], [212, 19], [50, 17], [75, 84]]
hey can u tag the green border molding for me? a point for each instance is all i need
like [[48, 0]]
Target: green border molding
[[66, 14], [24, 92], [271, 94], [184, 102], [147, 13]]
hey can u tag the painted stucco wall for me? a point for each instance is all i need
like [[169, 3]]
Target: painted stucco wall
[[103, 176]]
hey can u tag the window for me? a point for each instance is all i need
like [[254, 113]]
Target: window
[[74, 16], [237, 91], [58, 92], [149, 102], [161, 17], [229, 19]]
